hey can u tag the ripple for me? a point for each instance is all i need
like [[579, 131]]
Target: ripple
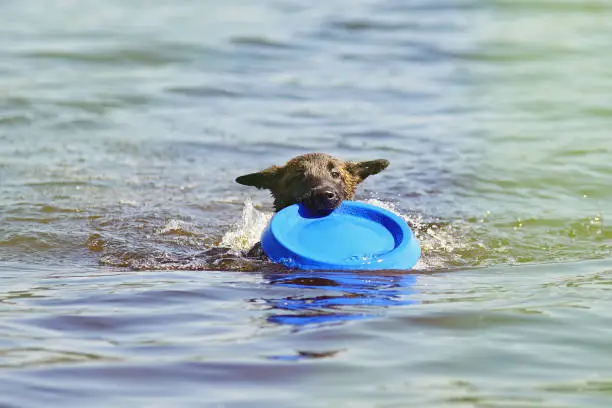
[[40, 357], [586, 7], [13, 120], [205, 92], [27, 241], [160, 55], [366, 25], [262, 42]]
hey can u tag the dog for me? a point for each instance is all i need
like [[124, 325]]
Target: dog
[[318, 181]]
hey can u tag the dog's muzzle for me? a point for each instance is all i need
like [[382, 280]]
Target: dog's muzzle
[[323, 198]]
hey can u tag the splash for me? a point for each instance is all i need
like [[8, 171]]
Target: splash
[[174, 227], [247, 231], [439, 241]]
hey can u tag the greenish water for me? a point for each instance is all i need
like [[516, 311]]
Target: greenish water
[[123, 126]]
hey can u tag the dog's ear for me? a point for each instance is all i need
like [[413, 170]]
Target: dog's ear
[[263, 179], [367, 168]]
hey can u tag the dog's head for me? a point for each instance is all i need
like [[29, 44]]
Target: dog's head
[[319, 181]]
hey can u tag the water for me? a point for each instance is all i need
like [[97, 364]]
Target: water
[[124, 124]]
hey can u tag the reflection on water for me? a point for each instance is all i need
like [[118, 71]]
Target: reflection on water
[[334, 297]]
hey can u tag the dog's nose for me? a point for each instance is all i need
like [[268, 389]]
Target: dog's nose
[[330, 195], [324, 198]]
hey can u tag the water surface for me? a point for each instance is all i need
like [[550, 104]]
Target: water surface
[[123, 126]]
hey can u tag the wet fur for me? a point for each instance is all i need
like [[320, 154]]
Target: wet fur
[[304, 179], [291, 183]]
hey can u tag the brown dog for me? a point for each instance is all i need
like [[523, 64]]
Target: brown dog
[[318, 181]]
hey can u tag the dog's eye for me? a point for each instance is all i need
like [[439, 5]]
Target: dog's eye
[[335, 173]]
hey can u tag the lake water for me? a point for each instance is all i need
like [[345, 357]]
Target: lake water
[[124, 124]]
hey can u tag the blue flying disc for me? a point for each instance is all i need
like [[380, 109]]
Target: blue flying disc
[[355, 236]]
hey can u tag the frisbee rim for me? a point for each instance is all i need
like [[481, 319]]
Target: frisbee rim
[[404, 255]]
